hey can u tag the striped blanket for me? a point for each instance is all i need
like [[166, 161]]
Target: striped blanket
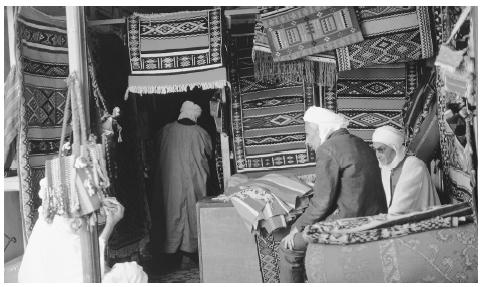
[[172, 52], [375, 96], [44, 59], [269, 202]]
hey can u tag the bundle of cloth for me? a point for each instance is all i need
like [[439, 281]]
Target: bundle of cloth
[[270, 202]]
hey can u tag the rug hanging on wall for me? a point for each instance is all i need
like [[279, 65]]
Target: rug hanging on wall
[[302, 31], [391, 35], [267, 119], [44, 58], [171, 52], [374, 96], [319, 68]]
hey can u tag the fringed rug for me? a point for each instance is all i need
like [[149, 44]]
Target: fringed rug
[[175, 51], [302, 31], [319, 68], [374, 96], [268, 258], [267, 119], [44, 59], [392, 35]]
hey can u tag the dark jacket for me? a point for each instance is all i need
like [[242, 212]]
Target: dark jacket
[[348, 178]]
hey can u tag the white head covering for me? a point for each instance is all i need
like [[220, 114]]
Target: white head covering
[[190, 110], [327, 121], [393, 138]]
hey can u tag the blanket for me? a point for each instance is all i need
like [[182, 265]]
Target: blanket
[[267, 118], [318, 68], [302, 31], [374, 96], [182, 50], [44, 60], [391, 35]]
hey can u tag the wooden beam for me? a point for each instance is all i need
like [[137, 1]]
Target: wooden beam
[[226, 161], [106, 22], [78, 64], [11, 35]]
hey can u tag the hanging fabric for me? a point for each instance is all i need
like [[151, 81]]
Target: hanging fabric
[[172, 52]]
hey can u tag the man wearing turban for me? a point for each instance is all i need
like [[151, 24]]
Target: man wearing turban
[[180, 181], [348, 184], [406, 180]]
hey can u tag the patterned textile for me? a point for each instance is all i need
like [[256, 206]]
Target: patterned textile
[[269, 202], [355, 224], [301, 31], [268, 256], [459, 181], [374, 96], [318, 68], [392, 35], [170, 45], [267, 119], [44, 60], [443, 255], [319, 236]]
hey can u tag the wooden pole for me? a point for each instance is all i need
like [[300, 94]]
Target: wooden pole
[[78, 63], [225, 149]]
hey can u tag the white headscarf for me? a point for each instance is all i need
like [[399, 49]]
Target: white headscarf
[[127, 272], [393, 138], [327, 121], [190, 111]]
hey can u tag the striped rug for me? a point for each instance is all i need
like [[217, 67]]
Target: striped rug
[[375, 96]]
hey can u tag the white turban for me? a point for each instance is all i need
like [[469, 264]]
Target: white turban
[[393, 138], [190, 110], [127, 272], [327, 121]]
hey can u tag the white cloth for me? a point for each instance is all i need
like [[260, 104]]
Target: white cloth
[[414, 190], [127, 272], [326, 120], [190, 111], [53, 253]]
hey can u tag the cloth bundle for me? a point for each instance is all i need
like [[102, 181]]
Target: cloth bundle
[[269, 202]]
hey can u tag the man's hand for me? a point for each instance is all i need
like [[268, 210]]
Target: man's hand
[[288, 241], [113, 209]]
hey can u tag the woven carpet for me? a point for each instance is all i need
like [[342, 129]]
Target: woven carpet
[[44, 59], [268, 258], [170, 45], [392, 35], [318, 68], [267, 118], [302, 31], [374, 96]]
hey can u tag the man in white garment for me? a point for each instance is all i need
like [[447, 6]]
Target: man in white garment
[[406, 179]]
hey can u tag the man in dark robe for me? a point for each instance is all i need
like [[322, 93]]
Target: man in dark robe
[[348, 184]]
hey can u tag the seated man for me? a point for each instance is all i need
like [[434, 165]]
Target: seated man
[[347, 180], [406, 179]]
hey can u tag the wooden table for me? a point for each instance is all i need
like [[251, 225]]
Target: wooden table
[[227, 250]]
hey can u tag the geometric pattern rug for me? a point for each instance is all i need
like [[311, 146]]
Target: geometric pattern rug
[[375, 96], [267, 118], [392, 35], [44, 58], [268, 258]]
